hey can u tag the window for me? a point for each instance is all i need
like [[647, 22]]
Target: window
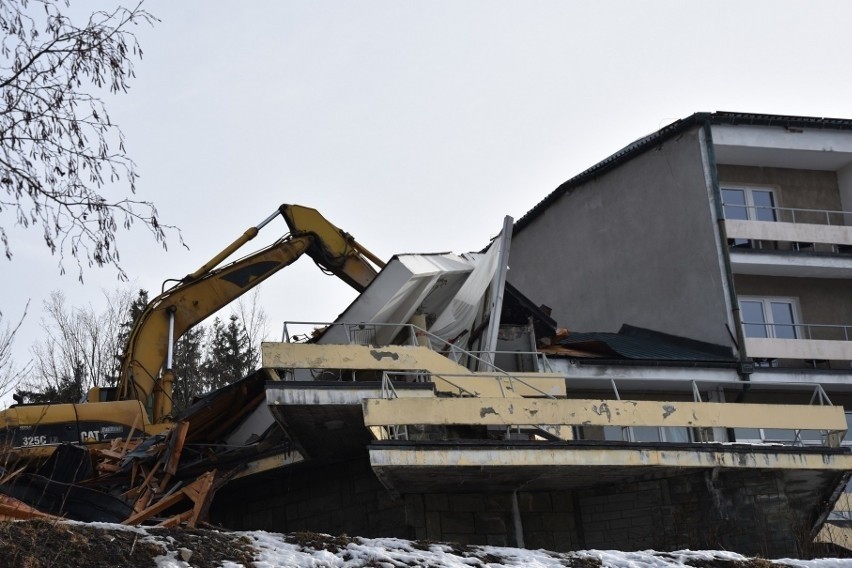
[[770, 317], [647, 433], [779, 436], [749, 203]]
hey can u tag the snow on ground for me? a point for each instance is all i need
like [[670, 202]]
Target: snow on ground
[[73, 545], [276, 550]]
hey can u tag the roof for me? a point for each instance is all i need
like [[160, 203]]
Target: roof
[[655, 139], [637, 343]]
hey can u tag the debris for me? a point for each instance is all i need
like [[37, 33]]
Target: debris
[[165, 480]]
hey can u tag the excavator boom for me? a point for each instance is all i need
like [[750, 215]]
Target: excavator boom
[[208, 289], [146, 376]]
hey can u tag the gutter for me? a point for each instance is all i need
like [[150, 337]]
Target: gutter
[[745, 363], [726, 257]]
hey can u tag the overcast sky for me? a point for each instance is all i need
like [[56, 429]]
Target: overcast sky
[[416, 126]]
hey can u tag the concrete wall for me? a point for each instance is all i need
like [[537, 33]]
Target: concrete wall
[[751, 512], [636, 245], [799, 189], [344, 497], [822, 301]]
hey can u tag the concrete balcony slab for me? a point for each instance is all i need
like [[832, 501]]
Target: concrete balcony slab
[[788, 263], [455, 466], [788, 232], [812, 349]]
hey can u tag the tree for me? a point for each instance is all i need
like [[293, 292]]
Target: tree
[[252, 318], [79, 349], [134, 312], [59, 150], [229, 354], [69, 386], [9, 373], [188, 367]]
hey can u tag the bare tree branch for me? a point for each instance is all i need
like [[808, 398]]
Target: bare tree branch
[[79, 348], [60, 154], [254, 321], [10, 375]]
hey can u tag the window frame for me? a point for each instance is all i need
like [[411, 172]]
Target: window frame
[[750, 207], [769, 323], [627, 434]]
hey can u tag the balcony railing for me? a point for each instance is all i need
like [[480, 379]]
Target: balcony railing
[[799, 331], [791, 214]]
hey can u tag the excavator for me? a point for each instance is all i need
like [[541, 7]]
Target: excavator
[[142, 401]]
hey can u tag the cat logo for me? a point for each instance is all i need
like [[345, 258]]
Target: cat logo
[[90, 436]]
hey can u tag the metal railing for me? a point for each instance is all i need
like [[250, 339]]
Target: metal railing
[[800, 331], [356, 332], [797, 437], [456, 380], [789, 214], [542, 362], [818, 394]]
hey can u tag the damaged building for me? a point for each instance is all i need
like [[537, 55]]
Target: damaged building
[[421, 413], [611, 390]]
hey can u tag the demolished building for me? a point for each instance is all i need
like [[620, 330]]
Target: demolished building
[[443, 404], [596, 440]]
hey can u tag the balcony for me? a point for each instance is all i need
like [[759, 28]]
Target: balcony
[[762, 238], [802, 228], [810, 342]]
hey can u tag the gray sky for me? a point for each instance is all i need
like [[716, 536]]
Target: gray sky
[[416, 126]]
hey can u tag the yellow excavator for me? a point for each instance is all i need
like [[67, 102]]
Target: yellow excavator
[[142, 400]]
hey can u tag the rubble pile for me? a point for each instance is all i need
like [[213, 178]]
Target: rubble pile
[[163, 480]]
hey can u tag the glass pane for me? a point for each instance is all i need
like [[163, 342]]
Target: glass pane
[[810, 435], [782, 317], [734, 204], [779, 435], [646, 434], [763, 205], [613, 433], [678, 434], [753, 320], [747, 434]]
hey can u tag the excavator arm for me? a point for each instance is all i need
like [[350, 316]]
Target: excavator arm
[[208, 289]]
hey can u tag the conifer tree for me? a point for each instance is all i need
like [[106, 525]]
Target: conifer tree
[[229, 354], [188, 367]]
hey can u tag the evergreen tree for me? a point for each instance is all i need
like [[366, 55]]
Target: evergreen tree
[[133, 314], [187, 366], [229, 354], [67, 388]]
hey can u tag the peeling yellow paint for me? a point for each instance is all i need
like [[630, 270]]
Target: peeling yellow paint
[[505, 412], [447, 376]]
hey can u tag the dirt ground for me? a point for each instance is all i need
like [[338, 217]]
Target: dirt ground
[[42, 544], [38, 544]]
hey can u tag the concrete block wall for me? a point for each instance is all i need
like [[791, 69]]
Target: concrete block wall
[[340, 498], [745, 511]]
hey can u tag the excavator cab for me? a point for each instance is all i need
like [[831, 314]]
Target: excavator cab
[[102, 394]]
